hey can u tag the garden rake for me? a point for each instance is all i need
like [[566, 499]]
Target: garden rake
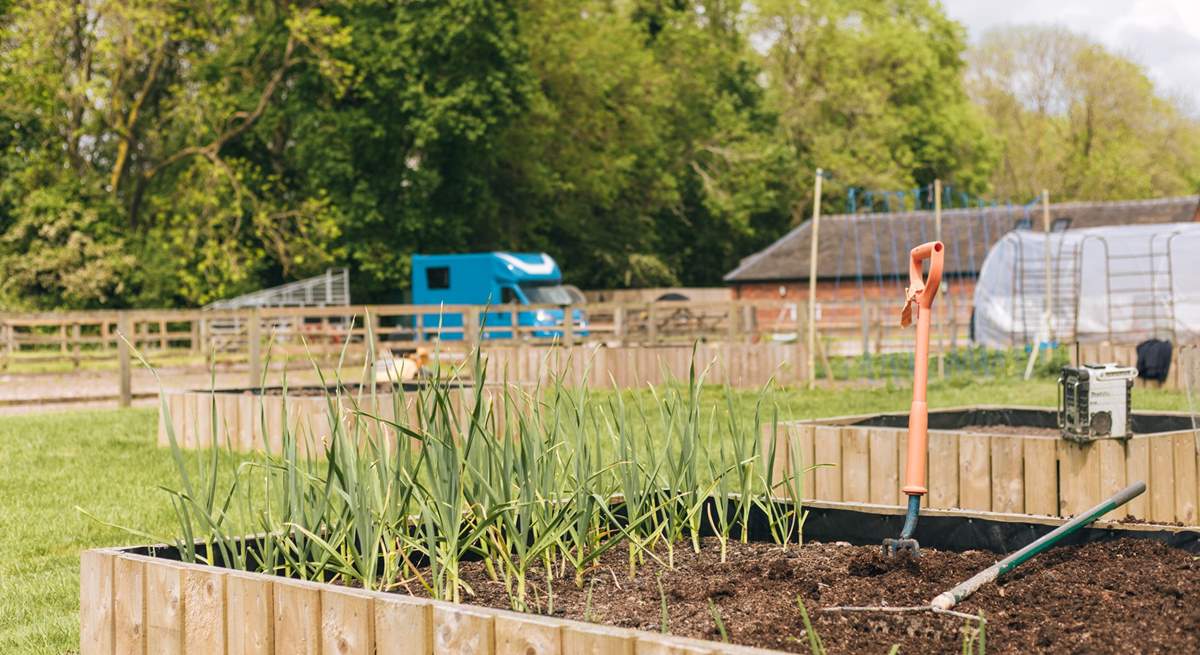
[[918, 299]]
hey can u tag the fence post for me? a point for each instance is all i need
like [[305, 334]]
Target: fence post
[[8, 344], [124, 329], [651, 323], [254, 342], [470, 328], [75, 337], [569, 326], [619, 324], [194, 339], [733, 321]]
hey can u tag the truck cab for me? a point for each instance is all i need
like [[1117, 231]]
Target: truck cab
[[494, 278]]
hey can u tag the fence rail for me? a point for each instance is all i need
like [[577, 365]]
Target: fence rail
[[857, 339]]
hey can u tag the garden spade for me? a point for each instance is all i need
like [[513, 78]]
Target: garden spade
[[918, 300]]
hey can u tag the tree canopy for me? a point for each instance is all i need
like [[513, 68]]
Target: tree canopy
[[171, 153]]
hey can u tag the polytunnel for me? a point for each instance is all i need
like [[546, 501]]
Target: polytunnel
[[1122, 284]]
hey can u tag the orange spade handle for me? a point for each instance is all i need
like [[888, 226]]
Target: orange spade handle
[[921, 292]]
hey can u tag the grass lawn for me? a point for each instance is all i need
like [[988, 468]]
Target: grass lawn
[[106, 463]]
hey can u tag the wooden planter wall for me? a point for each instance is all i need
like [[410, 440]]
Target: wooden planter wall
[[249, 422], [997, 473], [746, 365], [132, 604]]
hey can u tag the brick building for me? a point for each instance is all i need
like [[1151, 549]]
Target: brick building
[[865, 255]]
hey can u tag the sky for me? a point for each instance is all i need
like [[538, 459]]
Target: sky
[[1162, 35]]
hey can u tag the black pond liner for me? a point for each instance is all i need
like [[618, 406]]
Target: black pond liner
[[869, 526], [957, 419], [352, 389]]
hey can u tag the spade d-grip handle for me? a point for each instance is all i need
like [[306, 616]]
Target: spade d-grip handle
[[921, 289], [919, 296]]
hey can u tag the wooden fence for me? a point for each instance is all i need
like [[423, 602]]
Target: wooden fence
[[993, 472], [133, 604], [252, 339]]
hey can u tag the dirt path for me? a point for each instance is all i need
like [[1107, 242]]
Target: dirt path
[[34, 392]]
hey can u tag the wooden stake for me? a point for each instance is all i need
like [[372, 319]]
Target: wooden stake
[[125, 328], [1049, 273], [939, 312], [254, 337], [812, 283], [1046, 331]]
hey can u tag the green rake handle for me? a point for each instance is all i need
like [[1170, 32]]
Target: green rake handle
[[949, 599]]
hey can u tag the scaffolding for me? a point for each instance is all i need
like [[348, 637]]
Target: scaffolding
[[331, 289]]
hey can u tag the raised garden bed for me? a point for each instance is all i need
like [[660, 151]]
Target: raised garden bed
[[998, 459], [251, 420], [1116, 588]]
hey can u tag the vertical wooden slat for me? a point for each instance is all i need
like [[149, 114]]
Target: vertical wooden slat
[[297, 618], [800, 457], [975, 484], [461, 631], [204, 607], [204, 420], [247, 413], [187, 420], [1008, 480], [827, 455], [856, 465], [1185, 477], [129, 606], [1041, 476], [346, 618], [775, 448], [177, 407], [1112, 474], [1162, 476], [885, 469], [96, 603], [1079, 476], [943, 469], [403, 625], [580, 639], [272, 419], [249, 614], [164, 609], [1137, 469], [518, 634]]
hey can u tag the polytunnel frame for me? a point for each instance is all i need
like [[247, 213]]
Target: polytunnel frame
[[1020, 276]]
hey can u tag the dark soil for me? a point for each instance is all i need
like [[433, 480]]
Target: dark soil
[[348, 389], [1125, 596], [1017, 430]]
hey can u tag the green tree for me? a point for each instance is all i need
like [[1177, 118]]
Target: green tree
[[136, 119], [873, 92], [1079, 120]]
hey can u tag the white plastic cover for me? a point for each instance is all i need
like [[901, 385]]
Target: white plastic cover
[[1122, 284]]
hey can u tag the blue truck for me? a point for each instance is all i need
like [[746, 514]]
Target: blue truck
[[494, 278]]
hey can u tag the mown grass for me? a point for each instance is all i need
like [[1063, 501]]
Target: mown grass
[[106, 462]]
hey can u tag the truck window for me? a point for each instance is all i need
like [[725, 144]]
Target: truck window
[[508, 296], [437, 277]]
